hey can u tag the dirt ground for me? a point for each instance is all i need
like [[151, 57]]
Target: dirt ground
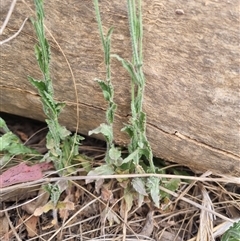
[[199, 210]]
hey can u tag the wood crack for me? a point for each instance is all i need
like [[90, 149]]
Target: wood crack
[[178, 135], [19, 89]]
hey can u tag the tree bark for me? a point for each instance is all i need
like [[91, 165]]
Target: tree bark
[[191, 64]]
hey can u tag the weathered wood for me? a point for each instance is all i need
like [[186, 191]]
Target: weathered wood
[[191, 53]]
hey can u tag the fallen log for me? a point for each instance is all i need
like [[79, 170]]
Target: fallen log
[[191, 63]]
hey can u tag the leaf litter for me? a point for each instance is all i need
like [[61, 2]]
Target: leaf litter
[[108, 210]]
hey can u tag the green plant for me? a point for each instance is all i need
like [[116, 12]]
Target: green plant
[[233, 233], [136, 129], [11, 145], [139, 147], [108, 92], [61, 145]]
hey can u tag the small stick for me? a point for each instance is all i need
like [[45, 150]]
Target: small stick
[[6, 22], [8, 16], [14, 35]]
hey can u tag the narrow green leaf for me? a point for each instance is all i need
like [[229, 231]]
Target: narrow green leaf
[[142, 121], [105, 89], [128, 129], [39, 9], [97, 11], [3, 125], [50, 103], [129, 67], [108, 46], [38, 54], [131, 156], [48, 54], [109, 34], [39, 84], [111, 112]]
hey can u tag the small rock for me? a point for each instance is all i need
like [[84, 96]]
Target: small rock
[[179, 11]]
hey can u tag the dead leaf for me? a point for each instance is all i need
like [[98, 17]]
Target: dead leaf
[[167, 236], [48, 226], [62, 185], [77, 194], [128, 197], [41, 201], [124, 183], [29, 207], [98, 185], [54, 222], [31, 226], [149, 225], [4, 226], [64, 211], [110, 216], [38, 211], [44, 209], [22, 135], [166, 205], [123, 208], [43, 197], [23, 173], [106, 194]]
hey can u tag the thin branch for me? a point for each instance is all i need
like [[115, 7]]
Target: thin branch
[[14, 35], [8, 16], [6, 22], [12, 227]]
